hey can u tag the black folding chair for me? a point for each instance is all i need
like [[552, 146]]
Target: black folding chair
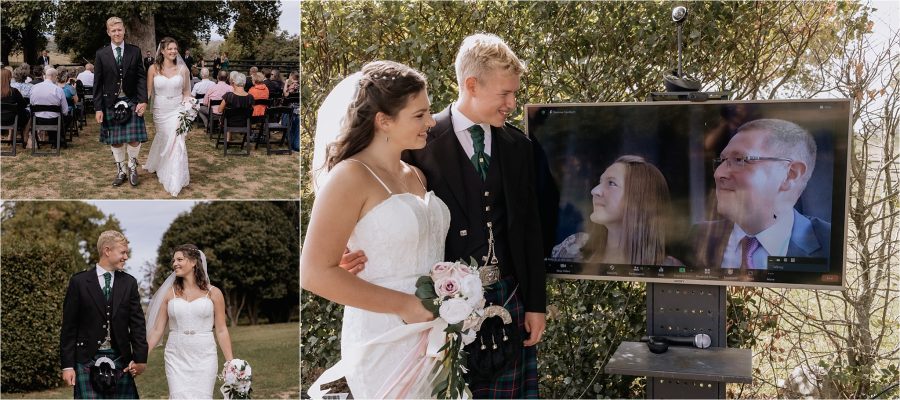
[[228, 131], [88, 98], [57, 129], [79, 106], [7, 111], [258, 123], [278, 119], [214, 121]]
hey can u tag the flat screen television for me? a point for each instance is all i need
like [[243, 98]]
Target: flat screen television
[[743, 193]]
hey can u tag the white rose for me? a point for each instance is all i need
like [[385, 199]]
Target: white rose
[[454, 310], [470, 285]]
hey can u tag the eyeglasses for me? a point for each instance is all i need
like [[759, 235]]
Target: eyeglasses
[[740, 162]]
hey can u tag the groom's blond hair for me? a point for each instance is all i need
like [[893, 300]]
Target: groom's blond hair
[[109, 239], [114, 21], [482, 53]]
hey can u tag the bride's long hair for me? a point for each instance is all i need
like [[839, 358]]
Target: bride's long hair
[[163, 44], [386, 87], [192, 253]]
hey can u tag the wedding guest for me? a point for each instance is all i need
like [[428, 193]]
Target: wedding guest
[[12, 96], [45, 58], [225, 64], [201, 87], [37, 74], [214, 92], [259, 91], [87, 76], [630, 212], [274, 83], [292, 85], [21, 80], [148, 60], [251, 74], [189, 61], [237, 98], [48, 93]]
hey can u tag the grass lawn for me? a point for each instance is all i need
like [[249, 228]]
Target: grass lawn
[[85, 170], [272, 350]]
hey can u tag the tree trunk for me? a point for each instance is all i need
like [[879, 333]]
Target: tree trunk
[[234, 305], [29, 42], [141, 32]]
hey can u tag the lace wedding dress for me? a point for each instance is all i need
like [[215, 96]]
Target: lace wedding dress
[[403, 237], [168, 154], [191, 360]]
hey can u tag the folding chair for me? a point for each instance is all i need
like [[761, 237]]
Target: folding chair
[[229, 130], [275, 117], [10, 110], [57, 129]]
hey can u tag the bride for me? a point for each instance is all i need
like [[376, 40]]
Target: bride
[[375, 202], [191, 307], [168, 85]]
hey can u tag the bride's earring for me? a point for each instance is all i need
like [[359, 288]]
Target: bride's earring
[[387, 138]]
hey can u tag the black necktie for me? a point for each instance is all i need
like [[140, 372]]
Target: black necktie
[[480, 160]]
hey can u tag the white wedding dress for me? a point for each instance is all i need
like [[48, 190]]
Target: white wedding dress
[[168, 153], [191, 360], [403, 237]]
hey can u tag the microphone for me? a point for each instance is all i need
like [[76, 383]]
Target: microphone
[[700, 340]]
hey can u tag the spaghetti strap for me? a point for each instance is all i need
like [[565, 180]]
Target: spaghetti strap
[[373, 174], [173, 292], [207, 293], [417, 175]]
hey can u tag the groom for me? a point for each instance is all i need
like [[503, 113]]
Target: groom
[[119, 75], [103, 320]]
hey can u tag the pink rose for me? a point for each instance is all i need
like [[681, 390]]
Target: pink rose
[[440, 270], [446, 287]]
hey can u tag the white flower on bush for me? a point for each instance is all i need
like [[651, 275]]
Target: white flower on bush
[[446, 287], [455, 310]]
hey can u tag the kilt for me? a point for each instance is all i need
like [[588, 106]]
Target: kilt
[[132, 131], [125, 387], [520, 381]]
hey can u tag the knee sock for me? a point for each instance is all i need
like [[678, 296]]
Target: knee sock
[[133, 154], [119, 153]]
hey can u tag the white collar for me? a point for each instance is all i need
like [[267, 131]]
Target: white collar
[[113, 45], [775, 239], [463, 123], [101, 271]]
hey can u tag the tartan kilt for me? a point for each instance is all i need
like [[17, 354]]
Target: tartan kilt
[[519, 381], [132, 131], [125, 387]]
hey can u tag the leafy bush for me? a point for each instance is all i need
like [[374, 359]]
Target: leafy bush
[[35, 276]]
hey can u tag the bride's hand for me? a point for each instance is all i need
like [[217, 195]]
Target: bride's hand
[[415, 312]]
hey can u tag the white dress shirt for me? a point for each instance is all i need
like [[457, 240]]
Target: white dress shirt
[[201, 87], [461, 125], [114, 46], [47, 93], [100, 272], [86, 78], [773, 241]]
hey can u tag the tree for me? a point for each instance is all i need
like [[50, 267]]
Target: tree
[[604, 52], [24, 25], [272, 47], [251, 250], [72, 222]]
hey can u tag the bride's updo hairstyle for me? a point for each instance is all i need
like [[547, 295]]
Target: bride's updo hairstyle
[[192, 253], [386, 87], [162, 48]]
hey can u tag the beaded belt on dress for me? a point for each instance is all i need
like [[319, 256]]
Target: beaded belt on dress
[[189, 332]]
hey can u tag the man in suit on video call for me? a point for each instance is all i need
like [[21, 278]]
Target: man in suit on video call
[[759, 177]]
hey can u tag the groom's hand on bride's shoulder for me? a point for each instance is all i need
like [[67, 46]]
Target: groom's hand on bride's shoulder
[[353, 262]]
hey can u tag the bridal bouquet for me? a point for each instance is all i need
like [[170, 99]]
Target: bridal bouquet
[[237, 375], [189, 109], [453, 292]]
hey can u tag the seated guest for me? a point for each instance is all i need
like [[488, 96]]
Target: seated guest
[[48, 93], [250, 75], [292, 85], [237, 98], [62, 80], [87, 76], [195, 77], [21, 78], [37, 74], [274, 83], [214, 92], [11, 96], [259, 91], [201, 87]]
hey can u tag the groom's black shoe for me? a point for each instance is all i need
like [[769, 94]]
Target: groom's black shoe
[[120, 175], [132, 172]]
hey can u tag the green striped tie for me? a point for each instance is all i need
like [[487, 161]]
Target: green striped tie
[[119, 55]]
